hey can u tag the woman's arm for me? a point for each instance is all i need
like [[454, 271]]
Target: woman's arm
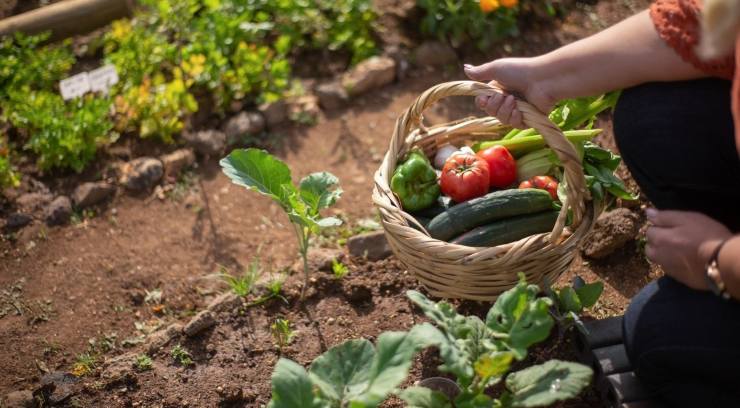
[[626, 54]]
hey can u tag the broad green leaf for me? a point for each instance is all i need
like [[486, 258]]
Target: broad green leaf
[[258, 170], [491, 366], [545, 384], [519, 313], [569, 301], [420, 397], [343, 370], [328, 222], [395, 351], [317, 190], [589, 293], [291, 387]]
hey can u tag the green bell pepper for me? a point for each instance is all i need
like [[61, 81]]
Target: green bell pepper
[[415, 182]]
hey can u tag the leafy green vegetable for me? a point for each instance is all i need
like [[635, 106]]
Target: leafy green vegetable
[[599, 165], [545, 384], [570, 301], [420, 397], [259, 171], [291, 387]]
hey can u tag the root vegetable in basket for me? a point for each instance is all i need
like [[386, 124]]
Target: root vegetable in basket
[[415, 182], [465, 176]]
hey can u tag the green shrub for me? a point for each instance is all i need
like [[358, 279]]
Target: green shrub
[[8, 175], [62, 134], [26, 64], [465, 21]]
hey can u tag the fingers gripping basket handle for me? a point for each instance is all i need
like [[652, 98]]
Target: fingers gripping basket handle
[[575, 181]]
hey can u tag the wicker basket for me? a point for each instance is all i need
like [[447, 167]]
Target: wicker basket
[[457, 271]]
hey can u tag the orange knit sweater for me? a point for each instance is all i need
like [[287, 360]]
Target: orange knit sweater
[[677, 22]]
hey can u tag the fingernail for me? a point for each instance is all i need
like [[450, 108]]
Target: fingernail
[[651, 213], [467, 67]]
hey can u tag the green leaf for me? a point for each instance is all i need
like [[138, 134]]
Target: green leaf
[[569, 301], [590, 293], [519, 313], [545, 384], [328, 222], [421, 397], [343, 370], [493, 365], [316, 190], [291, 387], [258, 170], [469, 400]]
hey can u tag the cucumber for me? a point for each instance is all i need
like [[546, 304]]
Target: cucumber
[[508, 230], [443, 204], [483, 210]]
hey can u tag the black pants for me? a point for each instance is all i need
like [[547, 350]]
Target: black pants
[[677, 139]]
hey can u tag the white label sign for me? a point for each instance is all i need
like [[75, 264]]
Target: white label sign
[[74, 86], [103, 78]]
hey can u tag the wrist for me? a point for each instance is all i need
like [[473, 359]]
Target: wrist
[[542, 83]]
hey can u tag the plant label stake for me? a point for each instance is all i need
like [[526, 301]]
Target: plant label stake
[[103, 78], [74, 86]]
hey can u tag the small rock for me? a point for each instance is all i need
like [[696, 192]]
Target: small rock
[[141, 174], [230, 394], [370, 74], [206, 142], [32, 202], [275, 113], [19, 399], [306, 106], [243, 124], [176, 161], [225, 302], [331, 95], [160, 338], [88, 194], [434, 53], [31, 233], [56, 387], [198, 323], [120, 370], [612, 231], [59, 211], [17, 220], [372, 245]]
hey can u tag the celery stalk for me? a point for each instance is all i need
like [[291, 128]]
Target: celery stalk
[[522, 145]]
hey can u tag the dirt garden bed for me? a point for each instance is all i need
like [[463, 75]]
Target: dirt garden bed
[[126, 275]]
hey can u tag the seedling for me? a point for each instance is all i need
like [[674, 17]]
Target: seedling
[[569, 302], [257, 170], [479, 354], [143, 363], [243, 285], [282, 333], [340, 270], [84, 365], [181, 356]]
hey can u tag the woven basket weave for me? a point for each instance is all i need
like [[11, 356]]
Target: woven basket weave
[[457, 271]]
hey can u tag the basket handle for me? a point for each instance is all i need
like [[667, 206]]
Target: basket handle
[[576, 191]]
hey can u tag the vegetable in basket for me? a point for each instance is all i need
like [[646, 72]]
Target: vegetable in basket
[[501, 166], [415, 182], [546, 183], [465, 176]]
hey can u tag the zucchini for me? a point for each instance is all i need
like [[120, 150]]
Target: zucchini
[[483, 210], [508, 230]]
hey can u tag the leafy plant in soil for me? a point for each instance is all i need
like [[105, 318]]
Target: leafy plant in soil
[[243, 285], [479, 354], [282, 333], [143, 363], [181, 355], [570, 301], [259, 171], [339, 269]]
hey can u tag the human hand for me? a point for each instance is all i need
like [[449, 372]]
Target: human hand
[[512, 75], [682, 242]]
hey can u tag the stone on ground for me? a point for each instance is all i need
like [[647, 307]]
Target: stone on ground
[[434, 53], [206, 142], [612, 231], [372, 245], [243, 124], [58, 211], [331, 95], [370, 74], [19, 399], [87, 194], [141, 174], [176, 161], [198, 323], [275, 113]]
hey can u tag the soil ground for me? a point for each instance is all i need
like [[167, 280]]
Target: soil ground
[[89, 287]]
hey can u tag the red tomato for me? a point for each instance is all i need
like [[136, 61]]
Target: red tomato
[[501, 165], [464, 176], [546, 183]]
